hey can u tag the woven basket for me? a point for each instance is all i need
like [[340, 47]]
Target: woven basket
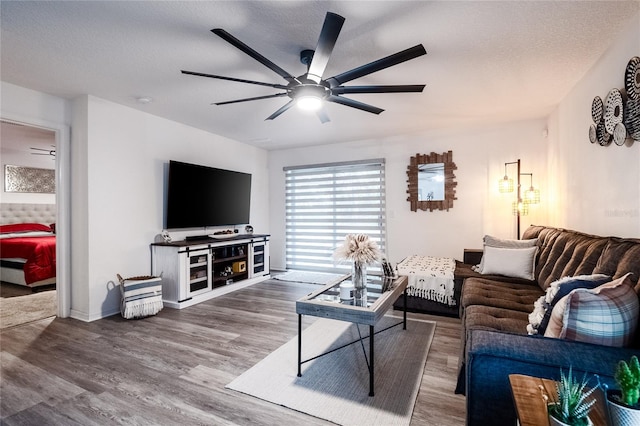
[[141, 296]]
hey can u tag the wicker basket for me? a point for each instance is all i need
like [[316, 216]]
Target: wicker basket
[[141, 296]]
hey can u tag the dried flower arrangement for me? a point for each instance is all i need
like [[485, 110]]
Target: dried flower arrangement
[[358, 248]]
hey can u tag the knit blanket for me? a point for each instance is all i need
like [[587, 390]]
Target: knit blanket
[[430, 277]]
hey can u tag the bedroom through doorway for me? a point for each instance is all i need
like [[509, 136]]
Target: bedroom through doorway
[[28, 220]]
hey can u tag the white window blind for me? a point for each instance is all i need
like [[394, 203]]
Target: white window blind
[[326, 202]]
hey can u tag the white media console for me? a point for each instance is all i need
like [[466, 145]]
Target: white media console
[[197, 270]]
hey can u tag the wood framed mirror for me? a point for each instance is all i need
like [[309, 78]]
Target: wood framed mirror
[[431, 182]]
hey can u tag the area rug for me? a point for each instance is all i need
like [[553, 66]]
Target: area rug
[[309, 277], [24, 309], [335, 387]]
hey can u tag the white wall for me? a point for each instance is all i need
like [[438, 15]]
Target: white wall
[[595, 189], [479, 154], [120, 156], [583, 186]]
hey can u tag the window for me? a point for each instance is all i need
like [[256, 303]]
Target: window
[[326, 202]]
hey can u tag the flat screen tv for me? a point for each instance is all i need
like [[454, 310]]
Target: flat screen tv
[[200, 196]]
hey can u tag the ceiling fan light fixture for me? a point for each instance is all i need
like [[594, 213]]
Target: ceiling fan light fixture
[[309, 102], [309, 97]]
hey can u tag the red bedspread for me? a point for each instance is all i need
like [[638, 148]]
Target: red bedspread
[[40, 253]]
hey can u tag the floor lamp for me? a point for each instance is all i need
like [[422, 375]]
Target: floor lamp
[[520, 207]]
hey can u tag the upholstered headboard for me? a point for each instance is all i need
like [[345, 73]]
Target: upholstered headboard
[[27, 213]]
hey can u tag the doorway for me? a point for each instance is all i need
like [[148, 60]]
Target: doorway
[[52, 141]]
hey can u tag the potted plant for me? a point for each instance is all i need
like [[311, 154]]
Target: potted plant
[[571, 407], [623, 403]]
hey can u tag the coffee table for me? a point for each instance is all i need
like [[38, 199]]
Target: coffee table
[[326, 303]]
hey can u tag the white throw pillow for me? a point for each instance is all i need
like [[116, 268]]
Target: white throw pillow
[[490, 241], [516, 263]]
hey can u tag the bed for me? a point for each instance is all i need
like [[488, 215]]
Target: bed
[[28, 244]]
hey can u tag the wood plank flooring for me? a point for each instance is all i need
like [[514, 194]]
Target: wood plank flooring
[[172, 368]]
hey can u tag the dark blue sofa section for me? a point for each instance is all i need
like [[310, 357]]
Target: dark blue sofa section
[[493, 356]]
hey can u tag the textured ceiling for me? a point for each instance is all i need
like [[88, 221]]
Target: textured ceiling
[[486, 62]]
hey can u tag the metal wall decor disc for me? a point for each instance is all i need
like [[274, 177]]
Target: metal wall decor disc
[[632, 118], [612, 110], [604, 138], [593, 138], [597, 106], [632, 78], [619, 134]]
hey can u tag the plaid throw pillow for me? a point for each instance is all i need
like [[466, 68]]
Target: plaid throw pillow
[[539, 318], [606, 315]]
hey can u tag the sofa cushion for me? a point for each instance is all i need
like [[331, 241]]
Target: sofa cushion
[[606, 315], [487, 292], [518, 263], [567, 253], [542, 307], [498, 319], [491, 241], [620, 256]]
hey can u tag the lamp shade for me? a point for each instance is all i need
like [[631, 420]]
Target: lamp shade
[[532, 195], [505, 184], [520, 208]]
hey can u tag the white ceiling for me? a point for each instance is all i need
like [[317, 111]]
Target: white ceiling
[[487, 61]]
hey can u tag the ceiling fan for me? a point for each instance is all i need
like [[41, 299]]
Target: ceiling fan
[[43, 151], [309, 90]]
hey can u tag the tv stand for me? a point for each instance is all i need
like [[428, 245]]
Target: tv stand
[[196, 237], [201, 268]]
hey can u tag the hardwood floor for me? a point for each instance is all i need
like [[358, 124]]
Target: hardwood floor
[[172, 368]]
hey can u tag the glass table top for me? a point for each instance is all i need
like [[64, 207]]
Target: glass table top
[[344, 293]]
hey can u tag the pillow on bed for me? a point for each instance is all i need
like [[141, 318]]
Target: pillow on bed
[[23, 227]]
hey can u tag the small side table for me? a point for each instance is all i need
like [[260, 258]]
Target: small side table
[[472, 256], [531, 408]]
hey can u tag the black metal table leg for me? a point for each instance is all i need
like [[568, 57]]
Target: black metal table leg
[[404, 313], [299, 345], [371, 363]]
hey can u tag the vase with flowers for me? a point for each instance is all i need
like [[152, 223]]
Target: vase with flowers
[[361, 251]]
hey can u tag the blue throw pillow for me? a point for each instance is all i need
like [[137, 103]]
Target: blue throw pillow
[[560, 288]]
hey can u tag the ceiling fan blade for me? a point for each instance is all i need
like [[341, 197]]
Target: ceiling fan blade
[[328, 36], [322, 115], [255, 55], [51, 152], [405, 88], [380, 64], [281, 110], [239, 80], [277, 95], [354, 104]]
